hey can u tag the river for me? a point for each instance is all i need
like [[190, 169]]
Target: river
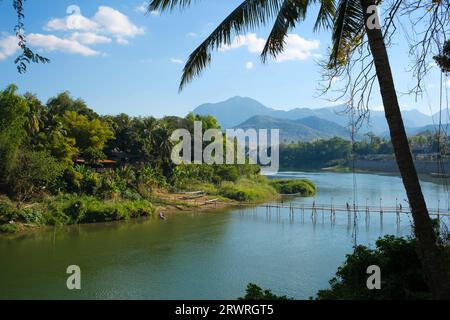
[[211, 255]]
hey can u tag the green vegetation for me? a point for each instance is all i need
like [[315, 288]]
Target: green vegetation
[[248, 190], [303, 186], [61, 163], [70, 209], [402, 273], [253, 292], [315, 154], [330, 152], [337, 152]]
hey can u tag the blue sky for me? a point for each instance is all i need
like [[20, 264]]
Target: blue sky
[[119, 59]]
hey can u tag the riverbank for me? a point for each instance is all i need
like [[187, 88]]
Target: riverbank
[[69, 209], [430, 168]]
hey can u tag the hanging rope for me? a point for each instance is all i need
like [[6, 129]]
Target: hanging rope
[[439, 130], [355, 186]]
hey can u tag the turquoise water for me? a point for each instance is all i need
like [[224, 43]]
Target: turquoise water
[[209, 255]]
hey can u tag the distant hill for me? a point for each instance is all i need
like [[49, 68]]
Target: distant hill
[[305, 129], [233, 111], [237, 110], [431, 128], [327, 128]]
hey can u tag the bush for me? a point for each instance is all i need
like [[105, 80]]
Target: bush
[[402, 274], [8, 211], [9, 228], [87, 209], [247, 190], [253, 292], [35, 171], [73, 179], [304, 187], [228, 172]]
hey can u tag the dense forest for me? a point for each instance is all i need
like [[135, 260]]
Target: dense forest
[[338, 152], [62, 163]]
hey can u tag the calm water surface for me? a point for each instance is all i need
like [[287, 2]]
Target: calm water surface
[[207, 255]]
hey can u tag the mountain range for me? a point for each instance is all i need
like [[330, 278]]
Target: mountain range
[[304, 123]]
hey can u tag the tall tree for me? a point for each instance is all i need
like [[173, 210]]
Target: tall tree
[[350, 25], [13, 118], [431, 254]]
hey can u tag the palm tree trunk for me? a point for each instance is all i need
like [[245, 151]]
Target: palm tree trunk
[[430, 252]]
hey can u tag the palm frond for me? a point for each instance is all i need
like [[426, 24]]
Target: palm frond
[[348, 27], [325, 15], [168, 4], [289, 14], [249, 14]]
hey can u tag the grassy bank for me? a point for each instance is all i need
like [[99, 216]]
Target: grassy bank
[[69, 209]]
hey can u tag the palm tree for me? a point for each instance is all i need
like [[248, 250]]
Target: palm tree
[[35, 115], [348, 21]]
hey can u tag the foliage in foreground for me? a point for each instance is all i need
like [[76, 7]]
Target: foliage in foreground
[[402, 276], [253, 292]]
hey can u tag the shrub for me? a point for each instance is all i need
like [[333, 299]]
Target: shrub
[[87, 209], [8, 211], [35, 171], [9, 228], [402, 274], [247, 190], [228, 172], [253, 292], [73, 179], [304, 187]]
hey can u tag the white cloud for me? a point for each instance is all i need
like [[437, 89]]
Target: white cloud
[[296, 47], [89, 38], [191, 34], [249, 65], [78, 33], [142, 8], [53, 43], [447, 83], [106, 22], [176, 61], [116, 23], [72, 22], [122, 41], [250, 40], [8, 47]]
